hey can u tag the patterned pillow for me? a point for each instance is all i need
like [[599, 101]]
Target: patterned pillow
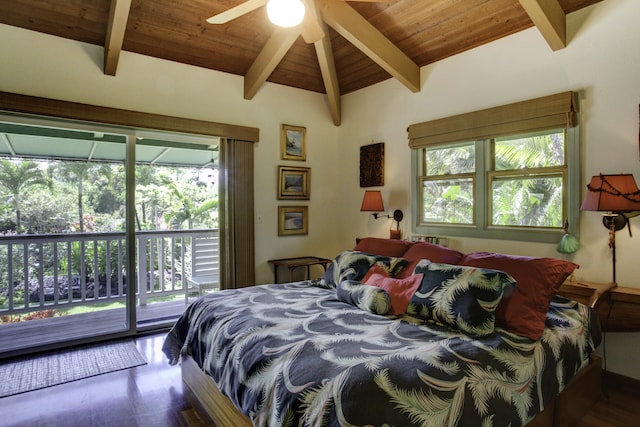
[[461, 297], [400, 290], [525, 311], [369, 298], [353, 265]]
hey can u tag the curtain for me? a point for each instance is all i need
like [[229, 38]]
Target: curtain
[[544, 113], [236, 213]]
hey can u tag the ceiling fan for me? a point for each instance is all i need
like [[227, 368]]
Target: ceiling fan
[[317, 16], [283, 13]]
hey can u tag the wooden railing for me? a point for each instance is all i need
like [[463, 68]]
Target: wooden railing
[[52, 271]]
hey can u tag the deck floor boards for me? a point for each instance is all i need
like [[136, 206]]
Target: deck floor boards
[[46, 333]]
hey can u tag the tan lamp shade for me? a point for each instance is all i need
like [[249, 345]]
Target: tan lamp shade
[[372, 202], [612, 193]]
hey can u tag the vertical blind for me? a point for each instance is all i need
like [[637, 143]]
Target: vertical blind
[[236, 209], [548, 112]]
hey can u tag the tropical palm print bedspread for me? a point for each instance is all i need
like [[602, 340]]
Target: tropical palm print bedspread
[[296, 355]]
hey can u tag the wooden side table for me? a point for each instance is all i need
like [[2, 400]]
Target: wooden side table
[[618, 306], [621, 312], [587, 293], [293, 263]]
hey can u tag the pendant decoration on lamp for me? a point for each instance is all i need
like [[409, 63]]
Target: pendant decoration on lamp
[[372, 202], [285, 13], [618, 196], [568, 244]]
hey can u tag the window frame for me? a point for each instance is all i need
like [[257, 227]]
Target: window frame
[[481, 227]]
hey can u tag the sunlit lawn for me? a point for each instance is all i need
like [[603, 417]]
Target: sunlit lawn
[[116, 304]]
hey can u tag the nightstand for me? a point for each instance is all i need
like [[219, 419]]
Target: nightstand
[[587, 293], [621, 311], [618, 306]]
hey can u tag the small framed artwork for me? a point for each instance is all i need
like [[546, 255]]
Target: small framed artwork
[[293, 143], [294, 183], [293, 220], [372, 165]]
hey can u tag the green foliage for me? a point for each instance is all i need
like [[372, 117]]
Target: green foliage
[[18, 178], [526, 182], [65, 197], [91, 253]]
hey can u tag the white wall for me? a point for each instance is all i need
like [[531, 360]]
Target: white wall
[[602, 62]]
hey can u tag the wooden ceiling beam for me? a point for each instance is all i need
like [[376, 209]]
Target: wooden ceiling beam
[[550, 19], [359, 32], [116, 26], [236, 12], [268, 59], [329, 76]]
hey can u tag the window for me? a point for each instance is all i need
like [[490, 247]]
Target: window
[[448, 186], [527, 181], [508, 181]]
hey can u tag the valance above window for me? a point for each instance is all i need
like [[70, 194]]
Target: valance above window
[[548, 112]]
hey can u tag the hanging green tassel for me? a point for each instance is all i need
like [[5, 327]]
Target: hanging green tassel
[[568, 244]]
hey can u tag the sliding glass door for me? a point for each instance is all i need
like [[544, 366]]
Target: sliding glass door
[[97, 229], [176, 205], [63, 274]]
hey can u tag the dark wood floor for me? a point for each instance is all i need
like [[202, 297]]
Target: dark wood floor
[[154, 395], [151, 395], [619, 405]]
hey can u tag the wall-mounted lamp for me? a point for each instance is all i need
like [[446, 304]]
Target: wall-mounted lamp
[[617, 195], [372, 202]]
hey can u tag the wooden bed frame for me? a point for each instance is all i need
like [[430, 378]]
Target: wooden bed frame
[[573, 402]]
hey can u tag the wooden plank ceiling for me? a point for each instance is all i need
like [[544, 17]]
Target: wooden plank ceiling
[[365, 42]]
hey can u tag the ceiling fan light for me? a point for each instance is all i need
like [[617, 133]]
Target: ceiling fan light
[[285, 13]]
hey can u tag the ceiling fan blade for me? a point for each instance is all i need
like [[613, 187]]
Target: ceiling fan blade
[[237, 11], [312, 28]]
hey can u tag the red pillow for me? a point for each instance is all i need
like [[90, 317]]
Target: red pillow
[[434, 253], [400, 290], [538, 279], [384, 247]]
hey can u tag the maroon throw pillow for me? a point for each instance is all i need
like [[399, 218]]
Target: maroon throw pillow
[[400, 290], [537, 281], [385, 247], [434, 253]]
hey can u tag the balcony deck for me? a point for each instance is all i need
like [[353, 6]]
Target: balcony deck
[[45, 333], [64, 271]]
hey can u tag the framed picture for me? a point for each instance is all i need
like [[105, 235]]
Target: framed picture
[[294, 183], [293, 143], [293, 220], [372, 165]]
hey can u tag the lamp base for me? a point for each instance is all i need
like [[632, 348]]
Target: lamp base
[[395, 234]]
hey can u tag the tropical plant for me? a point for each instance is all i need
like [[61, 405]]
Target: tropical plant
[[537, 199], [185, 209], [18, 178]]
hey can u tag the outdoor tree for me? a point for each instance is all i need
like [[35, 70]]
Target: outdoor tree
[[18, 178], [78, 171]]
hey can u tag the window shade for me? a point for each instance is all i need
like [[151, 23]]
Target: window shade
[[553, 111]]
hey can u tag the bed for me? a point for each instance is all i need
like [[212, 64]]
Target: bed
[[395, 334]]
